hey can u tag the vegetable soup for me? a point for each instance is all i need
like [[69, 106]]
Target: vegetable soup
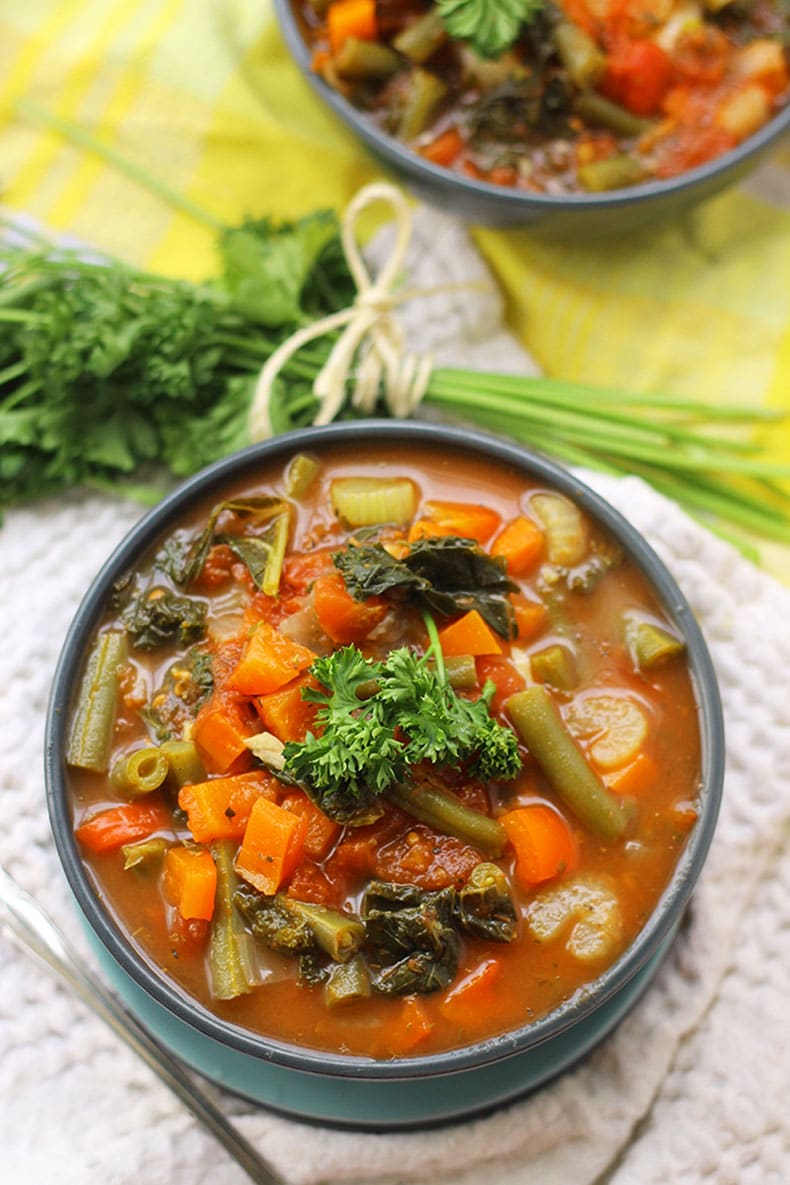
[[384, 754], [578, 95]]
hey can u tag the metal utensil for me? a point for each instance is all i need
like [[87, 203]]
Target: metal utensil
[[30, 928]]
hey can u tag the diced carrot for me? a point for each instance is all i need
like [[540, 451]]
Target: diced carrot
[[424, 528], [544, 844], [414, 1024], [220, 731], [220, 807], [322, 832], [339, 615], [503, 675], [638, 75], [473, 994], [467, 520], [445, 148], [634, 778], [502, 175], [469, 635], [520, 543], [269, 661], [285, 713], [190, 882], [272, 846], [112, 828], [531, 616], [351, 18]]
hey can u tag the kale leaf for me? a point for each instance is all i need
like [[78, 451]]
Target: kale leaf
[[410, 937], [159, 616], [484, 906], [447, 576], [186, 687]]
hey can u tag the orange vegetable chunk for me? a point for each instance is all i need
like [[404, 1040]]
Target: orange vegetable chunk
[[118, 825], [473, 993], [544, 844], [339, 615], [285, 713], [322, 832], [635, 778], [469, 635], [268, 662], [467, 520], [219, 808], [520, 543], [190, 882], [351, 18], [272, 847], [220, 731]]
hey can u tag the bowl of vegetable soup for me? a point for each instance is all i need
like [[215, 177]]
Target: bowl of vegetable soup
[[597, 117], [381, 757]]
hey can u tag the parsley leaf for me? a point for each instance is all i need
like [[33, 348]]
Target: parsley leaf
[[490, 26]]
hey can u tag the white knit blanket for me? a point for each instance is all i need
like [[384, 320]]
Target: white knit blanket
[[693, 1085]]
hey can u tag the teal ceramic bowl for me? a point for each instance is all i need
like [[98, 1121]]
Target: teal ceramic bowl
[[331, 1087], [582, 214]]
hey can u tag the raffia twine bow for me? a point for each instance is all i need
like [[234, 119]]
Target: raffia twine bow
[[370, 331]]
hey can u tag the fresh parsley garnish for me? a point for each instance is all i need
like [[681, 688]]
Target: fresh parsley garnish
[[490, 26]]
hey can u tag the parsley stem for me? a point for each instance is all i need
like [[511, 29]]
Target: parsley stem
[[434, 649]]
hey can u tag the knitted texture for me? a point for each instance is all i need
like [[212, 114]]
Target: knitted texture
[[690, 1088]]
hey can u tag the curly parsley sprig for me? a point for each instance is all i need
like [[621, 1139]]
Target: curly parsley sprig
[[490, 26]]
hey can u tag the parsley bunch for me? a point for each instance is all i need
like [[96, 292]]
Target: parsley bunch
[[408, 714], [490, 26]]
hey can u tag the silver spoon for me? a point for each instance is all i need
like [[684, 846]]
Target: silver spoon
[[30, 928]]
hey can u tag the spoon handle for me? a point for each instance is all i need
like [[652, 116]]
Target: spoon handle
[[31, 929]]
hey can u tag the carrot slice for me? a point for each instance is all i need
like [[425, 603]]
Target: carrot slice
[[473, 994], [272, 846], [112, 828], [190, 882], [635, 778], [469, 635], [544, 844], [531, 616], [268, 662], [467, 520], [520, 543], [220, 807], [351, 18], [220, 731], [445, 148], [339, 615], [285, 713]]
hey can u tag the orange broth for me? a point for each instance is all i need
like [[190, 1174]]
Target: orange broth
[[498, 986]]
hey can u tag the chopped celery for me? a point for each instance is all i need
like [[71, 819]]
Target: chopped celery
[[564, 527], [370, 501]]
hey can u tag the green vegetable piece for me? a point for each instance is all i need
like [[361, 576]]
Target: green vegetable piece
[[446, 814], [424, 96], [347, 983], [140, 772], [185, 766], [370, 501], [447, 576], [186, 686], [540, 726], [144, 853], [360, 59], [650, 645], [410, 937], [485, 904], [261, 549], [615, 172], [273, 922], [300, 475], [231, 961], [490, 26], [158, 617], [338, 934], [93, 721], [579, 54], [602, 112], [461, 672], [420, 40], [555, 665]]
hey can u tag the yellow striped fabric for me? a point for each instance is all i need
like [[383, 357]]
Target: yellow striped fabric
[[204, 95]]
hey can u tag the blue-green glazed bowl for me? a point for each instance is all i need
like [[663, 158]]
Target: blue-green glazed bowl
[[330, 1087], [585, 215]]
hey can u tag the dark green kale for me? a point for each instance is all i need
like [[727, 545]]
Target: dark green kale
[[159, 616], [185, 688], [484, 906], [273, 924], [446, 576], [410, 938]]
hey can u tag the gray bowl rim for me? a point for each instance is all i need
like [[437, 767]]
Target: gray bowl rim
[[510, 201], [241, 466]]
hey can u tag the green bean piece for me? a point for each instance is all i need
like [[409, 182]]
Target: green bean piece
[[94, 719], [594, 108], [347, 983], [144, 853], [231, 960], [425, 93], [300, 475], [615, 172], [420, 40], [140, 772], [451, 817], [185, 766], [541, 728], [555, 665], [360, 59], [461, 672], [579, 54], [335, 932], [651, 646]]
